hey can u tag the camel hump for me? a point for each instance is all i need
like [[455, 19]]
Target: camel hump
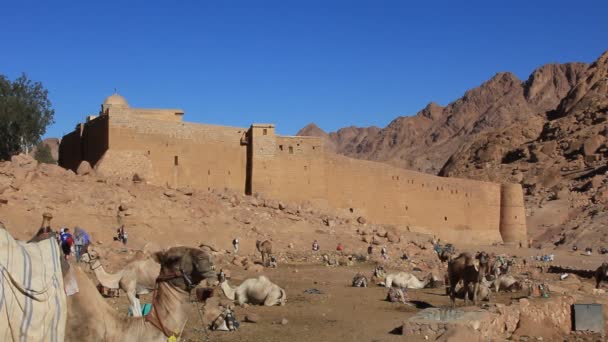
[[263, 279]]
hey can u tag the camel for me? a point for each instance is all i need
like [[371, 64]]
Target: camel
[[378, 275], [138, 277], [265, 248], [601, 274], [483, 292], [463, 268], [91, 318], [406, 280], [258, 291], [505, 283], [33, 289]]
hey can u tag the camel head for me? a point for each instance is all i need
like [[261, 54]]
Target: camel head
[[184, 267], [90, 256], [483, 258]]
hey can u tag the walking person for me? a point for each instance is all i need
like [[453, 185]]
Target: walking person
[[235, 244], [66, 242], [122, 235], [78, 243], [384, 253]]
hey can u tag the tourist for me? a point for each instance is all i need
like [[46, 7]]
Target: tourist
[[78, 243], [315, 246], [588, 250], [574, 248], [222, 276], [384, 253], [235, 244], [66, 242], [370, 250], [339, 248], [122, 235]]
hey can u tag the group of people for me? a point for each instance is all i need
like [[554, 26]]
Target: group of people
[[78, 243]]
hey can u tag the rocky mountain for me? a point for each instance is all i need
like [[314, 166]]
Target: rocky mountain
[[426, 140], [548, 133], [562, 167]]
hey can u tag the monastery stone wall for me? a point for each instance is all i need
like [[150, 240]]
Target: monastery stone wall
[[256, 160]]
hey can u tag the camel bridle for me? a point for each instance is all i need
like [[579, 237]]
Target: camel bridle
[[91, 262], [165, 278]]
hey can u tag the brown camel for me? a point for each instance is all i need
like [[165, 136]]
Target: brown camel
[[90, 318], [265, 248], [45, 231], [601, 274], [138, 277], [463, 268]]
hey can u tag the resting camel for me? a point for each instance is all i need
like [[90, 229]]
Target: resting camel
[[138, 277], [407, 281], [91, 318], [483, 292], [378, 275], [463, 268], [265, 248], [601, 274], [259, 291], [505, 282]]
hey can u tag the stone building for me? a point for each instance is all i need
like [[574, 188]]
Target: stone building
[[158, 146]]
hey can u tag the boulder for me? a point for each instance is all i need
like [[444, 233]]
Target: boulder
[[329, 222], [393, 237], [252, 318], [591, 145], [169, 193], [84, 168], [243, 217], [24, 162], [272, 204]]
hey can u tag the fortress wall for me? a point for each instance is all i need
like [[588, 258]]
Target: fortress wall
[[297, 171], [513, 214], [70, 151], [158, 114], [95, 139], [287, 168], [446, 207], [201, 156]]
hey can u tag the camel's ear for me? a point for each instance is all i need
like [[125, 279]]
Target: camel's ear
[[159, 257]]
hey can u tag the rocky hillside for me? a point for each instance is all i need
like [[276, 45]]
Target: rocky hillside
[[426, 140], [565, 161], [547, 133]]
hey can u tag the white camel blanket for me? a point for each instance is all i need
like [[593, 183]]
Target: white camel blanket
[[32, 297]]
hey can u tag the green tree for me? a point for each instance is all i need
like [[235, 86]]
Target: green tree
[[43, 154], [25, 112]]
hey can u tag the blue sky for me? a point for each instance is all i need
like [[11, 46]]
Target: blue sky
[[335, 63]]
